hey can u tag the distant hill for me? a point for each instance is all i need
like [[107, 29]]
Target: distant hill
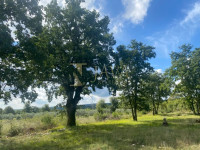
[[89, 106]]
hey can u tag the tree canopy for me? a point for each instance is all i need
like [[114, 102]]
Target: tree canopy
[[24, 18], [185, 71], [135, 68], [73, 43]]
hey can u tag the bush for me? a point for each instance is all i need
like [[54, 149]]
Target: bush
[[27, 107], [27, 115], [14, 131], [100, 106], [115, 115], [35, 109], [1, 126], [85, 112], [47, 120], [45, 108], [1, 111], [99, 116], [144, 112], [114, 104], [9, 110]]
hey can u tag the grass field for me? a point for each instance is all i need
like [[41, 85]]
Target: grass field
[[148, 133]]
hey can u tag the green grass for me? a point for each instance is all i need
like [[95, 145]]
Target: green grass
[[148, 133]]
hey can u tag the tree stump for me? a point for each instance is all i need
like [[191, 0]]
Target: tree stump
[[165, 122]]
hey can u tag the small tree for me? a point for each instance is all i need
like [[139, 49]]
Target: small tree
[[114, 104], [9, 110], [135, 68], [100, 106], [27, 107], [1, 111], [35, 109], [156, 90], [45, 108]]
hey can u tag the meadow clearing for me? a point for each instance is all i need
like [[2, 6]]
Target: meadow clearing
[[111, 134]]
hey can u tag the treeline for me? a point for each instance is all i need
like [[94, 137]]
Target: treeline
[[27, 109]]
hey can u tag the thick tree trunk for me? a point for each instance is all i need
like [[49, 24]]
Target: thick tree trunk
[[132, 109], [193, 108], [132, 112], [157, 108], [135, 112], [197, 106], [73, 95], [71, 114], [154, 108], [135, 101], [156, 111], [153, 111], [135, 108]]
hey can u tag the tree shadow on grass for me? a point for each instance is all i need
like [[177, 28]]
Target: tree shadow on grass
[[145, 134]]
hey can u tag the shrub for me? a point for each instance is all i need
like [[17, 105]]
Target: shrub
[[47, 120], [35, 109], [100, 106], [115, 115], [27, 107], [144, 112], [9, 110], [45, 108], [99, 116], [1, 126], [14, 130], [85, 112], [114, 104]]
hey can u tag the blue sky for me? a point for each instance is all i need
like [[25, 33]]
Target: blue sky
[[164, 24]]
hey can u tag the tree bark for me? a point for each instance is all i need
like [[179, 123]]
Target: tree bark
[[74, 95], [154, 107], [197, 106], [135, 111], [132, 110], [133, 115], [135, 100], [193, 108], [71, 114]]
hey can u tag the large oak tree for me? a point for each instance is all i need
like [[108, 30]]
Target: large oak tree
[[71, 53]]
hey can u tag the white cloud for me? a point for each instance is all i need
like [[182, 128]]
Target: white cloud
[[193, 14], [180, 32], [93, 99], [159, 70], [89, 4], [136, 10], [117, 27], [42, 99], [45, 2], [15, 103], [178, 82]]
